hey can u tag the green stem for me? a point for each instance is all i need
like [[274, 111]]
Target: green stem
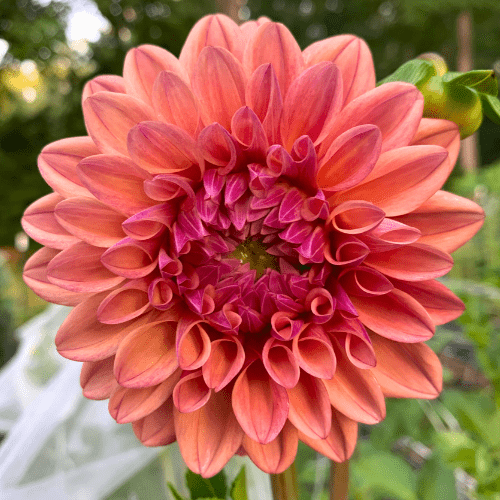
[[284, 485], [339, 480]]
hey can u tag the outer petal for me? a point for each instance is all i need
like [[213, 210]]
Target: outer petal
[[407, 371], [40, 223], [109, 116], [141, 67], [210, 436], [340, 443], [215, 30], [273, 43], [103, 83], [446, 221], [248, 28], [259, 403], [157, 428], [97, 379], [57, 163], [219, 83], [352, 56], [191, 392], [35, 276], [276, 456]]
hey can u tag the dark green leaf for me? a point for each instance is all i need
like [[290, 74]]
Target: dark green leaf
[[416, 71], [174, 492], [481, 80], [491, 107], [201, 487], [239, 486], [436, 481]]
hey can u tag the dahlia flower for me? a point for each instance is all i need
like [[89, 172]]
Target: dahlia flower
[[250, 234]]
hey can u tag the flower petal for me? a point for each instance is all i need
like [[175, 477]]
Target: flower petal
[[106, 83], [354, 217], [192, 342], [97, 379], [191, 392], [407, 371], [280, 363], [157, 428]]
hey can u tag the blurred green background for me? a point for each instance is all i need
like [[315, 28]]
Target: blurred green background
[[440, 450]]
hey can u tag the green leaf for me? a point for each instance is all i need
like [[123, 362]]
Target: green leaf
[[481, 80], [174, 492], [201, 487], [456, 448], [416, 71], [436, 481], [239, 486], [491, 107]]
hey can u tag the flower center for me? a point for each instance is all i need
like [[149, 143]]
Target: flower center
[[255, 253]]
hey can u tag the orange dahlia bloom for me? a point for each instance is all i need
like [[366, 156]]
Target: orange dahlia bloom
[[251, 235]]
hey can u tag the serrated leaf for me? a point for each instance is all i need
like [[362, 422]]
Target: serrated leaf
[[201, 487], [175, 493], [491, 107], [416, 71], [436, 481], [483, 81], [239, 486]]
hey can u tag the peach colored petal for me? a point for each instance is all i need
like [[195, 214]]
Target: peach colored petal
[[79, 269], [116, 181], [395, 315], [414, 262], [191, 392], [390, 235], [141, 67], [395, 108], [163, 148], [82, 337], [151, 222], [127, 405], [79, 215], [354, 217], [248, 28], [280, 363], [248, 131], [40, 222], [346, 249], [35, 276], [209, 436], [174, 102], [97, 379], [364, 282], [146, 356], [224, 363], [157, 428], [402, 179], [276, 456], [215, 30], [311, 104], [57, 163], [310, 410], [259, 403], [446, 221], [440, 133], [192, 342], [103, 83], [355, 392], [273, 43], [441, 304], [219, 84], [352, 56], [407, 371], [109, 116]]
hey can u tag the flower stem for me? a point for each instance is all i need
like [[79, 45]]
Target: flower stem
[[285, 485], [339, 480]]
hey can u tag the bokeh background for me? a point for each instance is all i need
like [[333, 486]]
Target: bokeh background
[[445, 449]]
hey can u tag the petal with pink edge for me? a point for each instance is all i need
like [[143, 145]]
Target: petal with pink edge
[[127, 405], [280, 363], [79, 269], [219, 83], [109, 116], [191, 392], [57, 163], [209, 436], [215, 30], [157, 428], [395, 315], [446, 221], [355, 392], [259, 403], [97, 379], [273, 43], [340, 443], [192, 342], [143, 64], [354, 217], [35, 276], [276, 456], [407, 371], [364, 282], [79, 216], [352, 56], [103, 83], [40, 222], [390, 235], [312, 104]]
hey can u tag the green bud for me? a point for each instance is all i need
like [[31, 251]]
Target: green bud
[[437, 61]]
